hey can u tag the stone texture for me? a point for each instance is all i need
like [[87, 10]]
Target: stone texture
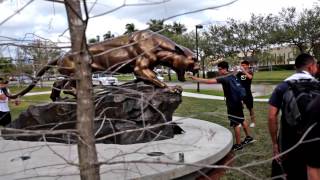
[[118, 108]]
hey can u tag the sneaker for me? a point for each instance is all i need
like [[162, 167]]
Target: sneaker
[[252, 125], [237, 147], [247, 140]]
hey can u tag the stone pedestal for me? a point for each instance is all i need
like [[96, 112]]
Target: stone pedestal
[[203, 143]]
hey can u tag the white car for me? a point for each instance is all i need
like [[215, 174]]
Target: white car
[[104, 79], [159, 76]]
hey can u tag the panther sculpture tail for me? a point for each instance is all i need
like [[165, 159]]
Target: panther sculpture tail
[[34, 82]]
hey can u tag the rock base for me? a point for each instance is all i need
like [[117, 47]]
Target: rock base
[[123, 115]]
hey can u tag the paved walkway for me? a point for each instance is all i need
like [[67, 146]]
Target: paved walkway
[[187, 94], [205, 96], [257, 89]]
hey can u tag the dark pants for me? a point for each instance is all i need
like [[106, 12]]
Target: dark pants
[[292, 166], [5, 118], [277, 171]]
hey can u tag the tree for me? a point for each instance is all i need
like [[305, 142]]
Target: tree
[[108, 35], [93, 40], [130, 28], [310, 20], [156, 25], [260, 30], [178, 28], [88, 160], [6, 66], [41, 52], [291, 29], [238, 36], [216, 44]]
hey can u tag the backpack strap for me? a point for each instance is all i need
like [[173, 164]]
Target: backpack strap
[[290, 106]]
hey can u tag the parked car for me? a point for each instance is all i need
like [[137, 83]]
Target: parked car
[[104, 79], [159, 76], [21, 79]]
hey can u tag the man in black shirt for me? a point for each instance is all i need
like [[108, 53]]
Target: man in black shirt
[[234, 107], [302, 162], [245, 76]]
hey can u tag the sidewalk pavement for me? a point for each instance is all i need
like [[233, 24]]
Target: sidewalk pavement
[[37, 93], [186, 94], [205, 96]]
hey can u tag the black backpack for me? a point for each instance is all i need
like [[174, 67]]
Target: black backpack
[[238, 92], [299, 100]]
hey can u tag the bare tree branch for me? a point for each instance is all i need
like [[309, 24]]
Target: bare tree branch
[[18, 11]]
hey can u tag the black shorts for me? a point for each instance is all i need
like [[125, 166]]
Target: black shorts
[[235, 115], [248, 101], [5, 118]]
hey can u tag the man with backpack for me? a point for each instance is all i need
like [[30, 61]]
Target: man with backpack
[[298, 99], [234, 93]]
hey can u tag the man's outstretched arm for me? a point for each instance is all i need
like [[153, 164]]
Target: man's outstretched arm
[[206, 81]]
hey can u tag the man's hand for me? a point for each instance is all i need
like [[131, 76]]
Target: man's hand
[[275, 150], [189, 75], [17, 102], [192, 77]]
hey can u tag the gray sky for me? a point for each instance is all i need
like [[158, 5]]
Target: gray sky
[[48, 19]]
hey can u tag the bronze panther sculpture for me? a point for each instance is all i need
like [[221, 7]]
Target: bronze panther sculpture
[[139, 53]]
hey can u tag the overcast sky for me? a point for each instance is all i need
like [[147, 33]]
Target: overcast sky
[[48, 19]]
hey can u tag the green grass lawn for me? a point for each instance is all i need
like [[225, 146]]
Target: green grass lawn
[[217, 93], [129, 77], [26, 101], [125, 77], [215, 111], [272, 77], [14, 89], [206, 91]]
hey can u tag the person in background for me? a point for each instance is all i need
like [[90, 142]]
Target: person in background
[[296, 164], [245, 75], [234, 109], [5, 115]]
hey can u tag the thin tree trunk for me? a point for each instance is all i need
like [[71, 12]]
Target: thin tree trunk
[[88, 160]]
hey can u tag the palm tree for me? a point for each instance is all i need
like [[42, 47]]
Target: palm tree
[[178, 28], [108, 35], [155, 25], [130, 28]]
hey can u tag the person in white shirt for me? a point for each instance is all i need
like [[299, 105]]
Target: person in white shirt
[[5, 115]]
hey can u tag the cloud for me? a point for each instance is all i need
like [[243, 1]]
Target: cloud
[[48, 19], [43, 19]]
